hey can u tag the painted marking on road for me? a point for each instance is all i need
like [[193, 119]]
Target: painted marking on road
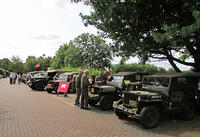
[[71, 104]]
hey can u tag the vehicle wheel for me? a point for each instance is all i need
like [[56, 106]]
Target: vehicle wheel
[[149, 117], [39, 86], [189, 111], [106, 102], [49, 91], [92, 103]]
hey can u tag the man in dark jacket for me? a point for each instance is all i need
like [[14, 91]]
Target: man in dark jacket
[[78, 87], [84, 90]]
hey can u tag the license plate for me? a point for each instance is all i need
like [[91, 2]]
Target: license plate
[[132, 103]]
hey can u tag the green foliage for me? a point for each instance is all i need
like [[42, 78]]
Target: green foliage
[[94, 51], [32, 61], [16, 65], [67, 55], [87, 50], [150, 28], [150, 69], [1, 72], [92, 71], [5, 63]]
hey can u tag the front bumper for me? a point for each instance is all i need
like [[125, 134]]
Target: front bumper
[[50, 86], [131, 111], [94, 97]]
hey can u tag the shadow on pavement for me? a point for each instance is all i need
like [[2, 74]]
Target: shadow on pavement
[[170, 125]]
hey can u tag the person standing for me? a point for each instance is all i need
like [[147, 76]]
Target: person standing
[[11, 81], [100, 79], [56, 76], [78, 87], [19, 79], [84, 89]]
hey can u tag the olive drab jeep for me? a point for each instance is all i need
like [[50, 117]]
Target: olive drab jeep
[[64, 77], [39, 79], [177, 92], [106, 94]]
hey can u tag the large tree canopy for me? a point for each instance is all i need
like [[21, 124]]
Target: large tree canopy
[[94, 51], [161, 29], [86, 50]]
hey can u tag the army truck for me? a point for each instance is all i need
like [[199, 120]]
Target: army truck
[[53, 84], [38, 80], [175, 93], [106, 94]]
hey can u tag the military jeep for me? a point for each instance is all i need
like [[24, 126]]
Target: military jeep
[[53, 84], [106, 94], [39, 79], [175, 93]]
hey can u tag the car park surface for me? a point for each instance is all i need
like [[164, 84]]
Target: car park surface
[[24, 112]]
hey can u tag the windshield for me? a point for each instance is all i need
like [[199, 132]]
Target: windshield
[[63, 77], [117, 79], [156, 81]]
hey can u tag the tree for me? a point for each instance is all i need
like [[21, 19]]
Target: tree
[[31, 61], [58, 60], [5, 63], [73, 56], [160, 29], [94, 51], [16, 64], [150, 69]]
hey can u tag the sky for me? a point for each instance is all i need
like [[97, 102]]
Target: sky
[[37, 27]]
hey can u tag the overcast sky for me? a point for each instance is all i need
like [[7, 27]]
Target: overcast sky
[[36, 27]]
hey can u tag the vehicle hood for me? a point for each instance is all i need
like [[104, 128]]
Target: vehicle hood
[[143, 93], [107, 87]]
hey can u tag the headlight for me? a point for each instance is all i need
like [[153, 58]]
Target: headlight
[[123, 95], [139, 98]]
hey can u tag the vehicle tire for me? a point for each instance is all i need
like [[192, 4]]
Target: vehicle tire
[[92, 103], [39, 86], [49, 91], [106, 102], [149, 117], [189, 111]]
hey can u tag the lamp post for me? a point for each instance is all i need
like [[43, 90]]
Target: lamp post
[[43, 61]]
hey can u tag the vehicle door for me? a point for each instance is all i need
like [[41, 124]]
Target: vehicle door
[[178, 90]]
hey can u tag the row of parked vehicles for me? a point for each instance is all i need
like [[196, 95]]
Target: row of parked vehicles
[[142, 96]]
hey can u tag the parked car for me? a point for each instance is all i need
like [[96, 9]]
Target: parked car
[[176, 93], [106, 94]]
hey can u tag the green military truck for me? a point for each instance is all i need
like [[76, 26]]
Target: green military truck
[[64, 77], [106, 94], [176, 93], [39, 79]]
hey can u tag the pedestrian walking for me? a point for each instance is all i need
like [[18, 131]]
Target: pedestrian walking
[[84, 91], [10, 79], [78, 87], [19, 79]]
